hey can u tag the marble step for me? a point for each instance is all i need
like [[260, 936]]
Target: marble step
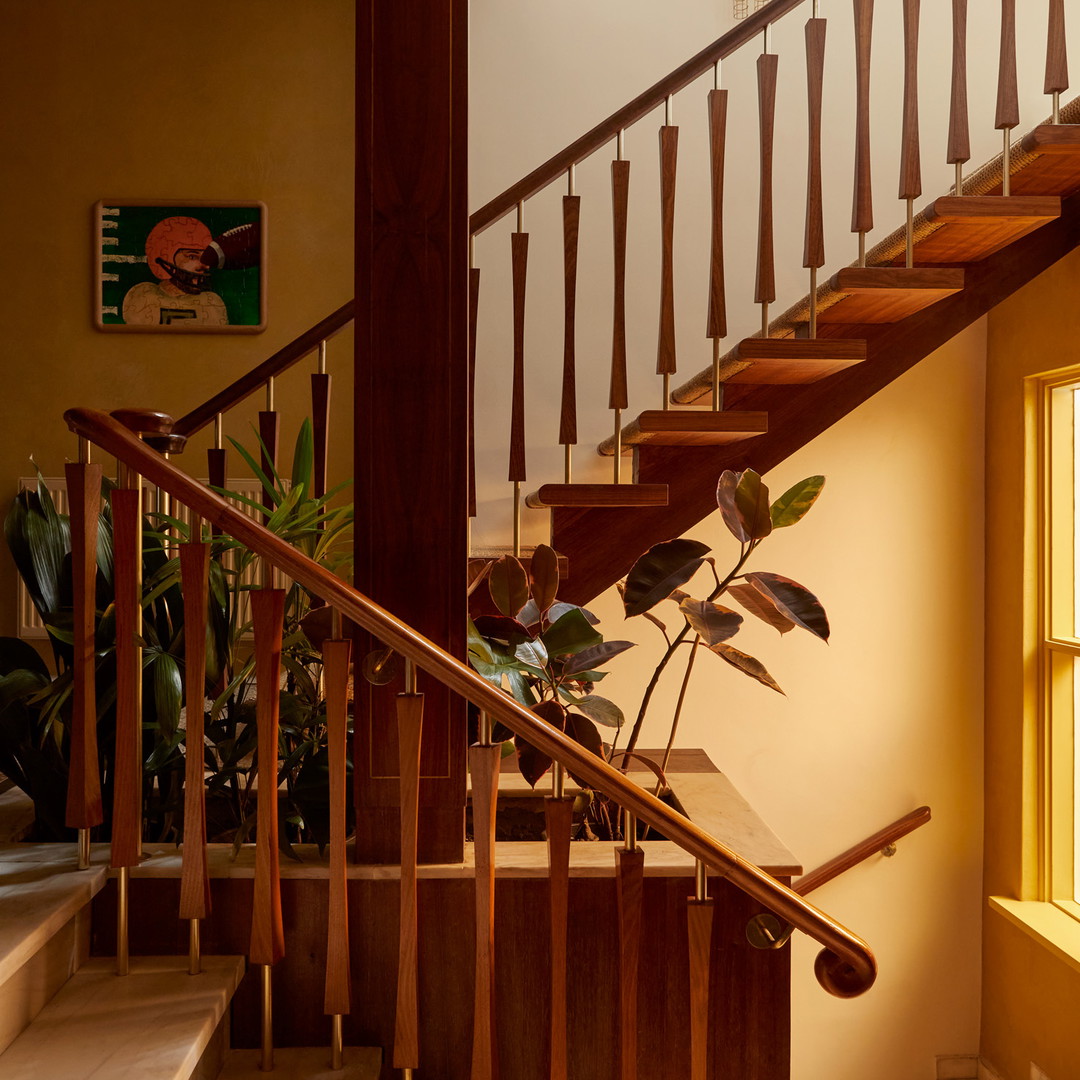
[[305, 1063], [155, 1023]]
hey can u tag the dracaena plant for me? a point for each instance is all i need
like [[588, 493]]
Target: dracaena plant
[[661, 573], [547, 654]]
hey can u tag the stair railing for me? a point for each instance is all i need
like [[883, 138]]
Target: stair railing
[[845, 967]]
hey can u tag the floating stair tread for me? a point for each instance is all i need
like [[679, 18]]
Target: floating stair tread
[[887, 294], [586, 495], [973, 227], [795, 360], [490, 554], [153, 1024], [305, 1063], [689, 427], [1055, 168], [40, 890]]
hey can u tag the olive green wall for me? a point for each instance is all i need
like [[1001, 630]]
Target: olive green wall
[[240, 99]]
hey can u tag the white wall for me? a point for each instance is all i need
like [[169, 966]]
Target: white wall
[[888, 716]]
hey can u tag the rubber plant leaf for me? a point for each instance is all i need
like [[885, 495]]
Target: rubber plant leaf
[[534, 763], [712, 622], [795, 502], [793, 600], [757, 604], [601, 710], [508, 585], [595, 655], [659, 572], [582, 730], [544, 572], [747, 664], [571, 633]]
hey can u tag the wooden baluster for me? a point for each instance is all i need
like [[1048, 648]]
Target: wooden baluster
[[267, 932], [629, 883], [1057, 60], [716, 323], [699, 917], [558, 817], [410, 716], [814, 242], [1008, 102], [862, 208], [84, 808], [959, 138], [910, 166], [765, 289], [337, 1001], [269, 428], [568, 411], [321, 382], [474, 307], [194, 872], [620, 205], [128, 757], [484, 761], [665, 349], [519, 253]]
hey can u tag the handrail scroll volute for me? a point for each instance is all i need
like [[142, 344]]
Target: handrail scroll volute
[[845, 968]]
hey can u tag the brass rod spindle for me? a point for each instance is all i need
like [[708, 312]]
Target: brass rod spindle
[[765, 288], [1007, 115], [909, 245], [1006, 164], [701, 883], [194, 948], [558, 781], [322, 357], [813, 301], [217, 431], [618, 395], [910, 165], [717, 386], [667, 390], [337, 1041], [123, 894], [516, 473], [517, 519], [1055, 108], [270, 394], [568, 470], [862, 205], [266, 1043], [617, 477], [84, 849], [814, 241], [630, 841], [959, 145], [84, 451]]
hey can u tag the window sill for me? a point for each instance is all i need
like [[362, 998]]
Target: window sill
[[1052, 926]]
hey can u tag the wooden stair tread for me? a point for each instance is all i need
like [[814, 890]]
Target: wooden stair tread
[[305, 1063], [1055, 169], [490, 554], [40, 890], [549, 495], [794, 360], [153, 1024], [887, 294], [689, 427]]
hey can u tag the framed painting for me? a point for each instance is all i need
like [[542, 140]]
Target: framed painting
[[172, 267]]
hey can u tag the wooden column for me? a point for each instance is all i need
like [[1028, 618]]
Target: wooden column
[[411, 375]]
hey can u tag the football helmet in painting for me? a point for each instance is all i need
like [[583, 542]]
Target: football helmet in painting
[[174, 250]]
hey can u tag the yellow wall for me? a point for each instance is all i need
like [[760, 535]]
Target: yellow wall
[[1030, 998], [241, 99]]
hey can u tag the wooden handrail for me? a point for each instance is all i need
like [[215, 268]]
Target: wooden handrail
[[862, 851], [555, 167], [248, 383], [845, 968]]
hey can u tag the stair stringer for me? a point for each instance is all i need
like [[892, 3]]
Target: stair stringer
[[796, 415]]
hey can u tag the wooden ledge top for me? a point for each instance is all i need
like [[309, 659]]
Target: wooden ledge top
[[304, 1063]]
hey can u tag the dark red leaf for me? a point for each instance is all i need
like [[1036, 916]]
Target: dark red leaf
[[747, 664], [794, 600], [659, 572], [759, 604], [509, 585]]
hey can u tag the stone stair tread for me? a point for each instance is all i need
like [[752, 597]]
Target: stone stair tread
[[153, 1024], [305, 1063], [40, 890]]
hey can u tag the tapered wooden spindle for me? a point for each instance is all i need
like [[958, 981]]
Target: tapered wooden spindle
[[862, 206], [910, 165], [629, 883], [814, 240], [1007, 115], [194, 871], [321, 384], [558, 816], [959, 136], [337, 1001], [620, 205], [84, 807], [474, 307], [484, 769], [716, 323], [765, 289], [519, 251], [665, 349], [410, 715], [1057, 60], [267, 931], [568, 409], [269, 429]]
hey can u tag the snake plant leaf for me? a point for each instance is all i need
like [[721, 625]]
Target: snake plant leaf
[[48, 537], [659, 572], [303, 457], [795, 601], [601, 710], [570, 634], [509, 585], [744, 505], [795, 502], [712, 622], [759, 605], [544, 572], [595, 655], [747, 664], [168, 689], [19, 655]]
